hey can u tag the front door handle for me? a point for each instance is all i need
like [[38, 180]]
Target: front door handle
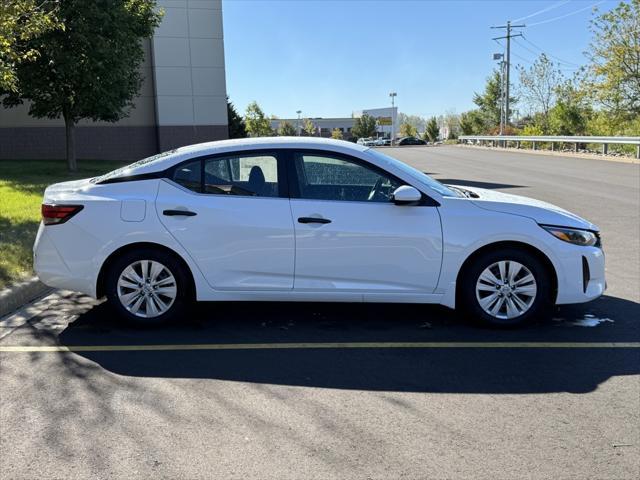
[[313, 220], [174, 213]]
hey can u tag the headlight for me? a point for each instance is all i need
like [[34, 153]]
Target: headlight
[[584, 238]]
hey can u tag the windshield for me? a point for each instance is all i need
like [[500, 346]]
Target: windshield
[[432, 183], [126, 170]]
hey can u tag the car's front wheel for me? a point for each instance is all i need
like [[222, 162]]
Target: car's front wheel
[[506, 288], [147, 287]]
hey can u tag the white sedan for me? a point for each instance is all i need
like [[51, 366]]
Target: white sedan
[[305, 219]]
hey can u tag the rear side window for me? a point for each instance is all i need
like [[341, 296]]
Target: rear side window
[[247, 175], [189, 176]]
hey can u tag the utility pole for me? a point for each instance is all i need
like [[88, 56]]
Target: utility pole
[[500, 56], [298, 124], [508, 36]]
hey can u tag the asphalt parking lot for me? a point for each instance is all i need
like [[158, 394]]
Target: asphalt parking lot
[[411, 391]]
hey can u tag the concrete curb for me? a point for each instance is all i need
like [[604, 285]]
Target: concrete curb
[[18, 294]]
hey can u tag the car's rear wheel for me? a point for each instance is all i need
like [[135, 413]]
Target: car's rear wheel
[[506, 288], [147, 287]]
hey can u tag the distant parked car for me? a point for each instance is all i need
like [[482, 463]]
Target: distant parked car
[[380, 142], [366, 142], [411, 141]]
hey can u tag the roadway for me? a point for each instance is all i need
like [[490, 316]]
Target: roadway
[[562, 404]]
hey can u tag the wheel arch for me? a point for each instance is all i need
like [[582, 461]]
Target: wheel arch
[[540, 255], [100, 286]]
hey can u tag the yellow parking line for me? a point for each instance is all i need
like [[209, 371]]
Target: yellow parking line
[[312, 345]]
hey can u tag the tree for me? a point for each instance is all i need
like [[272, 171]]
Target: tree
[[91, 68], [613, 77], [566, 119], [570, 114], [286, 129], [489, 102], [415, 121], [432, 131], [336, 133], [408, 130], [538, 86], [364, 126], [308, 128], [258, 125], [237, 128], [20, 22], [467, 122]]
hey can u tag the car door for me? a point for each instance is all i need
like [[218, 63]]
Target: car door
[[350, 236], [231, 213]]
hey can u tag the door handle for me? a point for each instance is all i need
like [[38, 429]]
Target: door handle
[[313, 220], [174, 213]]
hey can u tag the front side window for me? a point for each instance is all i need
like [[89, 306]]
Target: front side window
[[432, 183], [250, 175], [324, 177]]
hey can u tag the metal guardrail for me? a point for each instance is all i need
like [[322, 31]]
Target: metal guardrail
[[504, 140]]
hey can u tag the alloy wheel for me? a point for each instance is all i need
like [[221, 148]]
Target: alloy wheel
[[506, 289], [147, 288]]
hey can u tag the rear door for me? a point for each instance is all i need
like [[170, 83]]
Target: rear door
[[350, 236], [232, 214]]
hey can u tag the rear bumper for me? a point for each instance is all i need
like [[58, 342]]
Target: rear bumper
[[52, 270]]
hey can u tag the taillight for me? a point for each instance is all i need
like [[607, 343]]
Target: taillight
[[57, 214]]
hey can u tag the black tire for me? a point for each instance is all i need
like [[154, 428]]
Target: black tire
[[181, 302], [540, 306]]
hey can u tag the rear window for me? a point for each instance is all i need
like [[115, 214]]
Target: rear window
[[129, 169]]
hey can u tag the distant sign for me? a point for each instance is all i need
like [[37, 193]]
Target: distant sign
[[384, 120]]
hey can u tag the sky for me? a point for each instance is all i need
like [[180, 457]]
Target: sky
[[329, 58]]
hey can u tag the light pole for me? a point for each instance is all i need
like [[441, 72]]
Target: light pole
[[393, 129], [298, 126]]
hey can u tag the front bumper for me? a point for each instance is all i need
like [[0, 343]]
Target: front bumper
[[584, 275]]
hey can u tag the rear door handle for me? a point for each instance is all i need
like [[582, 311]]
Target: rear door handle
[[174, 213], [313, 220]]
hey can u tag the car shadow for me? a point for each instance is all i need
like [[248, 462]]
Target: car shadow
[[377, 368], [471, 183]]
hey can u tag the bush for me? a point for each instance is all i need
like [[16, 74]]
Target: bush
[[532, 130]]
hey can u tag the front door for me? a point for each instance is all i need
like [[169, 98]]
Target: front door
[[238, 228], [350, 236]]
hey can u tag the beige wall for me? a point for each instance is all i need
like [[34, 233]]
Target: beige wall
[[188, 51], [143, 114]]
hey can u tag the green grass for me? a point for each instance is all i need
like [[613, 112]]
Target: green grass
[[22, 183]]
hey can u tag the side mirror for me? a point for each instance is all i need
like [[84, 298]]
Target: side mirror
[[406, 195]]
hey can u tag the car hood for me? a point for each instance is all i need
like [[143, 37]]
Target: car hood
[[542, 212]]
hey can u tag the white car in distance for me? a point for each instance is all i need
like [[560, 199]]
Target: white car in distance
[[314, 220], [367, 142]]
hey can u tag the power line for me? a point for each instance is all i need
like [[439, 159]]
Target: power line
[[565, 15], [555, 5], [557, 59], [531, 62]]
